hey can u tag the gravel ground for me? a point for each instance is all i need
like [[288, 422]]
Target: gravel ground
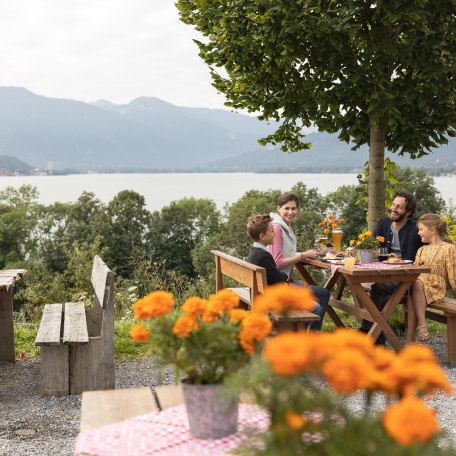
[[31, 425]]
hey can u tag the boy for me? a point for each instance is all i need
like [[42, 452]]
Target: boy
[[261, 230]]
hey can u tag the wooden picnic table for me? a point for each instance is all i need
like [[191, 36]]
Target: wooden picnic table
[[8, 277], [363, 307]]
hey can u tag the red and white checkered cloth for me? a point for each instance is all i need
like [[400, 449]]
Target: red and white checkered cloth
[[165, 433]]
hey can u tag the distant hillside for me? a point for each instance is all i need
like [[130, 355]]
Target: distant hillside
[[151, 134], [327, 154], [12, 165]]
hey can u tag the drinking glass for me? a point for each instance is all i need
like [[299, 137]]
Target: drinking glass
[[349, 259], [337, 238], [383, 254]]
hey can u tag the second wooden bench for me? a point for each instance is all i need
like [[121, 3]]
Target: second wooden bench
[[254, 280]]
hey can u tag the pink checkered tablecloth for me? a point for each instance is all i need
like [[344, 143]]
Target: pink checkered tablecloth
[[165, 433], [374, 265]]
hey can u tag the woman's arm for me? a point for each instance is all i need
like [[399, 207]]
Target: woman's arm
[[276, 251]]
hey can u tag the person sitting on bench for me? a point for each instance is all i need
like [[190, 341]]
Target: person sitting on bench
[[261, 230]]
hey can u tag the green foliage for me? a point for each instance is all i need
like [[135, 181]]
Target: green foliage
[[178, 229], [17, 222], [123, 226], [73, 285], [416, 181], [380, 74]]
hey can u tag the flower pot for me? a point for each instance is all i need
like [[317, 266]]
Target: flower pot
[[211, 415], [365, 256]]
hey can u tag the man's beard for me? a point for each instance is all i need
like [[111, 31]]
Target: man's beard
[[399, 217]]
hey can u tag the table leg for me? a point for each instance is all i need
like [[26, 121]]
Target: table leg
[[379, 320], [392, 303], [7, 352]]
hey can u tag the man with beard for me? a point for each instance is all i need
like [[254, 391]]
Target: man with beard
[[402, 241]]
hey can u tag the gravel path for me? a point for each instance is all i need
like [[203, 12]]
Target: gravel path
[[31, 425]]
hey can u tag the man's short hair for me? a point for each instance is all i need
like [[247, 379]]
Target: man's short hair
[[410, 201], [257, 224]]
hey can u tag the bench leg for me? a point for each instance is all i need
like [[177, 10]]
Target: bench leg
[[91, 368], [7, 351], [451, 340], [54, 371]]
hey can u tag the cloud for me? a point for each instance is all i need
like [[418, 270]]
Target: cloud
[[115, 50]]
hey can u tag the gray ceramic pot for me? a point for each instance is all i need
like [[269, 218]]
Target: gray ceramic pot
[[211, 415]]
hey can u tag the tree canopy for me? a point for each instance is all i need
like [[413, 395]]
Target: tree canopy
[[378, 73]]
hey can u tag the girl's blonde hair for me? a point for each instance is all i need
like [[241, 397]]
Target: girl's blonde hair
[[438, 223]]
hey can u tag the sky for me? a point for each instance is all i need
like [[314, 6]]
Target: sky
[[116, 50]]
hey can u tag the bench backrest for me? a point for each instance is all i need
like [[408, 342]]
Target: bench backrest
[[103, 302], [246, 273]]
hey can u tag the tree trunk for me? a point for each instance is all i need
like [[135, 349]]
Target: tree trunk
[[375, 189]]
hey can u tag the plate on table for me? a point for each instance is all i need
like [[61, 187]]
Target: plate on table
[[397, 262], [334, 261]]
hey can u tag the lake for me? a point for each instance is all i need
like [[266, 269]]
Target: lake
[[160, 189]]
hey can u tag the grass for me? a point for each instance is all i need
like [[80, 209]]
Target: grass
[[125, 347]]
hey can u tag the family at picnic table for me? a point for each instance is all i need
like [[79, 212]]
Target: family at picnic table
[[425, 242]]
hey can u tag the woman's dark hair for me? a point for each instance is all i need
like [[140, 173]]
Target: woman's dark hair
[[287, 197], [410, 201]]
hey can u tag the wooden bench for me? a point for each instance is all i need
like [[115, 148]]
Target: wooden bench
[[254, 280], [77, 346], [446, 314]]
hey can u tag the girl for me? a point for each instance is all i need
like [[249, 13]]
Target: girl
[[440, 256], [283, 249]]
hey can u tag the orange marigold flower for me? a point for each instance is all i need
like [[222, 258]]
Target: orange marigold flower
[[156, 304], [334, 225], [380, 239], [361, 236], [294, 420], [139, 334], [330, 216], [257, 326], [326, 231], [358, 243], [209, 316], [223, 301], [410, 420], [290, 353], [247, 344], [348, 338], [139, 311], [237, 315], [282, 297], [194, 306], [418, 370], [368, 233], [349, 370], [184, 326], [352, 241]]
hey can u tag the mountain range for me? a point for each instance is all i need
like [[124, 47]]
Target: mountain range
[[149, 134]]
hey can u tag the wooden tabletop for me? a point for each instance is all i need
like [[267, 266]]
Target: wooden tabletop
[[9, 276], [371, 271]]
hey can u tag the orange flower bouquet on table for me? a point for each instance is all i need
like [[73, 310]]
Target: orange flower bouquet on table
[[307, 381], [206, 340]]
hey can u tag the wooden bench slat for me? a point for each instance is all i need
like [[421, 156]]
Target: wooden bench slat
[[75, 323], [50, 327], [446, 305]]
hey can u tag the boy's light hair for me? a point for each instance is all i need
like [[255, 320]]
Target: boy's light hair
[[257, 224]]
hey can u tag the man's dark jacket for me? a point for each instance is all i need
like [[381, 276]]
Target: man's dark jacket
[[408, 237], [263, 258]]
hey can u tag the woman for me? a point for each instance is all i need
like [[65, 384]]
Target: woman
[[283, 249], [440, 256]]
